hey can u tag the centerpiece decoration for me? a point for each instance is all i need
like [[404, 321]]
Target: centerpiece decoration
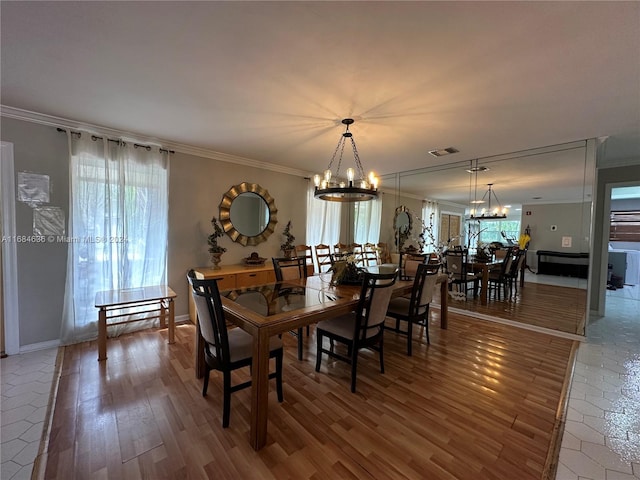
[[288, 247], [215, 250], [345, 271]]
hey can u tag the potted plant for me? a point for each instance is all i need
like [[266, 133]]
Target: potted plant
[[215, 250], [288, 247]]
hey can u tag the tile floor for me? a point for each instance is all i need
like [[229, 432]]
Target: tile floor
[[601, 439], [26, 381]]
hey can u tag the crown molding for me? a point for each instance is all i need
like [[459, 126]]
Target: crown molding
[[60, 122]]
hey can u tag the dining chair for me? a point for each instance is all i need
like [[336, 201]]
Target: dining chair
[[362, 328], [341, 248], [409, 262], [322, 255], [415, 309], [357, 251], [383, 252], [458, 270], [226, 350], [306, 251], [498, 277], [516, 267], [370, 255], [292, 268]]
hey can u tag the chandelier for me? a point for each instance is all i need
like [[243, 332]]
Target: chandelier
[[332, 187], [495, 212]]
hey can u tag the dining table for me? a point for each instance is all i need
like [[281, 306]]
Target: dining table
[[279, 307], [483, 267]]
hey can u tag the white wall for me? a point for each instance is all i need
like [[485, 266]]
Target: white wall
[[196, 186]]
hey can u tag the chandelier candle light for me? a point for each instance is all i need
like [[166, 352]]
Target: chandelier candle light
[[333, 188]]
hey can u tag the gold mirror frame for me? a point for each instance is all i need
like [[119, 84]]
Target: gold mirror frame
[[402, 237], [225, 213]]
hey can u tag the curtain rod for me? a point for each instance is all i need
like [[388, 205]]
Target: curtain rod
[[98, 137]]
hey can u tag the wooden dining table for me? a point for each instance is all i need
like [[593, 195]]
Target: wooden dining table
[[483, 268], [275, 308]]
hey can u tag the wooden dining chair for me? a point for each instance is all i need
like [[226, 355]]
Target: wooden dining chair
[[458, 269], [415, 309], [357, 250], [341, 248], [306, 251], [322, 255], [499, 277], [362, 328], [409, 262], [226, 350], [370, 255], [293, 268], [383, 252], [516, 269]]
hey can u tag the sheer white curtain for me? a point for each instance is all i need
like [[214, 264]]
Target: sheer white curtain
[[431, 218], [368, 215], [118, 226], [323, 220]]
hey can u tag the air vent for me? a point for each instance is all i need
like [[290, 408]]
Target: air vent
[[443, 151]]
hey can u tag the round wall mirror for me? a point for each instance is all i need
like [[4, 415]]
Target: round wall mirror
[[248, 214]]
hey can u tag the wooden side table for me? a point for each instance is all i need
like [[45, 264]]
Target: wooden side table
[[157, 300]]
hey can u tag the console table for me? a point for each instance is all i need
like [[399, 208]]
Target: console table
[[231, 277], [563, 263]]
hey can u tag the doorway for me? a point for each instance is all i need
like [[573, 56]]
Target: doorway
[[623, 275], [8, 258]]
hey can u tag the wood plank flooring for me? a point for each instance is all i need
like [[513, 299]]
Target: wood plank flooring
[[478, 403], [547, 306]]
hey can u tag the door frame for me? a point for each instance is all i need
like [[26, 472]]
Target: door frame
[[9, 252]]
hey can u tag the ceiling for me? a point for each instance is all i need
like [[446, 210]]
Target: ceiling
[[271, 81]]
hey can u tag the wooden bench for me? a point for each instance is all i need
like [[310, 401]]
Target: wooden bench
[[157, 300]]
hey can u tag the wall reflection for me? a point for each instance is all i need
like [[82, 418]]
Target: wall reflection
[[547, 189]]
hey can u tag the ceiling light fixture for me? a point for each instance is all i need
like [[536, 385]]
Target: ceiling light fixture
[[331, 187], [489, 213]]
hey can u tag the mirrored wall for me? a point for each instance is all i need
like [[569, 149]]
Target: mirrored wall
[[549, 190]]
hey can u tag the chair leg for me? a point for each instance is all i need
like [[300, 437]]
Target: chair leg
[[226, 402], [279, 375], [409, 334], [318, 349], [381, 353], [426, 325], [205, 383], [300, 343], [354, 368]]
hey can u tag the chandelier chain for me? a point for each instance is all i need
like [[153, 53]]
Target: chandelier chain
[[356, 156]]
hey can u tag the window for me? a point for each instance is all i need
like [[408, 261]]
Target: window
[[118, 226], [491, 231]]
